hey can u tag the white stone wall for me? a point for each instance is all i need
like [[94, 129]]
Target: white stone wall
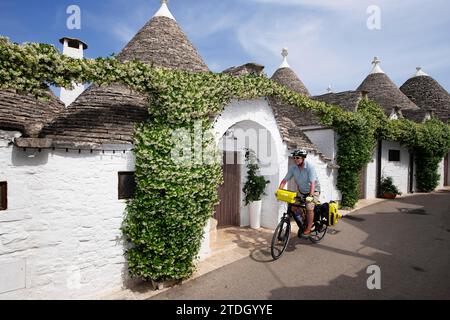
[[399, 171], [371, 177], [441, 174], [325, 141], [61, 232], [60, 236], [448, 171], [327, 178]]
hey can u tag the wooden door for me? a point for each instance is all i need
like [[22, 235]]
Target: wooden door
[[227, 212], [446, 182], [362, 183]]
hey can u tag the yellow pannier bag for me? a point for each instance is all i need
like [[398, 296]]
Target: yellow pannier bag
[[286, 196], [333, 214]]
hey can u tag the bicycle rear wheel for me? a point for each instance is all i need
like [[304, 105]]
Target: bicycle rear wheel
[[319, 232], [280, 238]]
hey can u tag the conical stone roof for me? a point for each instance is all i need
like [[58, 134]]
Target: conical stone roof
[[382, 90], [27, 114], [107, 115], [162, 42], [288, 78], [428, 94]]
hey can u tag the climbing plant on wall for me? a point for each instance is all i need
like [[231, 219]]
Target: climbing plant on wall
[[177, 164], [357, 140]]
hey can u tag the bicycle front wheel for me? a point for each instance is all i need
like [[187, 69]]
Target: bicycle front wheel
[[280, 238]]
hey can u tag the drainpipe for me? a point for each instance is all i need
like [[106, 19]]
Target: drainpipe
[[379, 159]]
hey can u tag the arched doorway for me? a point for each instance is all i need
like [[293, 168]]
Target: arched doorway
[[240, 137]]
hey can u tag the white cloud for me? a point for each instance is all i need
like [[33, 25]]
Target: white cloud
[[336, 47], [124, 33]]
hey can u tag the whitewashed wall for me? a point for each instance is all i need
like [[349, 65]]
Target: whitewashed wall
[[327, 178], [441, 174], [448, 171], [325, 141], [60, 237], [371, 177], [399, 171]]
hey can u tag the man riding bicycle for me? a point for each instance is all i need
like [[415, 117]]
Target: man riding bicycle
[[308, 184]]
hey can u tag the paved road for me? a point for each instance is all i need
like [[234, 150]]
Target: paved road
[[408, 238]]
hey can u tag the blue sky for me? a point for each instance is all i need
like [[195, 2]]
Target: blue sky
[[328, 41]]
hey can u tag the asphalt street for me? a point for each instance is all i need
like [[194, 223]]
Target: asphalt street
[[407, 238]]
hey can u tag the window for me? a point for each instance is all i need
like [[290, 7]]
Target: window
[[3, 196], [394, 155], [127, 184]]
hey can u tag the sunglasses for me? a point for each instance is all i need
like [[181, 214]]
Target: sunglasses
[[298, 158]]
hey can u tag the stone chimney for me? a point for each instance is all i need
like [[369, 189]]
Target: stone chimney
[[73, 48]]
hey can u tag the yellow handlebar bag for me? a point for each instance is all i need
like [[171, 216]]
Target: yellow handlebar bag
[[286, 196]]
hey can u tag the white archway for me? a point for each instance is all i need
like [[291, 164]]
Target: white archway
[[251, 123]]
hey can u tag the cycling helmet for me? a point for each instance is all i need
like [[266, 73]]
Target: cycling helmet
[[300, 153]]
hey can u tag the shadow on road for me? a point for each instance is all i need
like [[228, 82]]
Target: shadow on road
[[409, 239]]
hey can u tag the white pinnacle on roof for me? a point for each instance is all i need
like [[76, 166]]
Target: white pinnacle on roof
[[285, 64], [376, 66], [420, 72], [164, 11]]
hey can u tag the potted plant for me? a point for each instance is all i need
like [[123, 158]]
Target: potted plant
[[387, 188], [254, 189]]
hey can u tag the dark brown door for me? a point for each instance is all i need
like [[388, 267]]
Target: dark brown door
[[446, 182], [362, 183], [227, 212]]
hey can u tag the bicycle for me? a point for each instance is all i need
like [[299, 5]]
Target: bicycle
[[282, 232]]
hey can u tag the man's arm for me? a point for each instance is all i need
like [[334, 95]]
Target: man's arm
[[288, 177], [312, 180], [282, 184], [312, 187]]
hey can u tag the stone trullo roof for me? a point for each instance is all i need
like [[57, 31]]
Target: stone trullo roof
[[418, 116], [245, 69], [107, 115], [382, 90], [347, 100], [285, 76], [428, 94], [289, 118], [27, 114], [162, 42]]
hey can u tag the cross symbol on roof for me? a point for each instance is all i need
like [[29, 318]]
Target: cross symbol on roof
[[376, 61]]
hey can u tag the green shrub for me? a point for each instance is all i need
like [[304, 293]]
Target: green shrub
[[255, 185], [387, 186]]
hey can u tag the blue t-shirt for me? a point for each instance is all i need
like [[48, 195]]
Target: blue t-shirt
[[304, 177]]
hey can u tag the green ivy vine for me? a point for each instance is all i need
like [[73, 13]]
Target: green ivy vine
[[174, 200]]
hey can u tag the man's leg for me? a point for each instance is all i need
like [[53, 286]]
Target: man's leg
[[310, 213], [310, 220], [296, 214]]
